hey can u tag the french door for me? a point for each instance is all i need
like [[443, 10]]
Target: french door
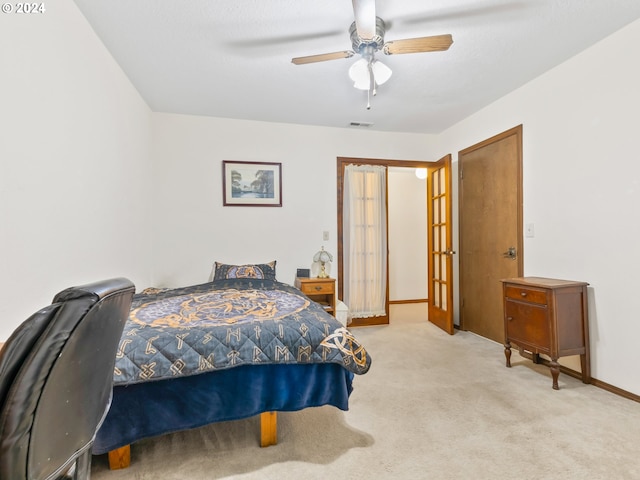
[[440, 279]]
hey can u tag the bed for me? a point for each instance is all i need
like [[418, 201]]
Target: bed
[[241, 345]]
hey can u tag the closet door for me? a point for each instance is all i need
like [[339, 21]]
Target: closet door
[[490, 213]]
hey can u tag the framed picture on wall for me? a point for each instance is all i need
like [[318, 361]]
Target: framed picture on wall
[[251, 184]]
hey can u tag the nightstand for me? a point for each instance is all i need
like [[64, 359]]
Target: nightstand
[[549, 316], [321, 290]]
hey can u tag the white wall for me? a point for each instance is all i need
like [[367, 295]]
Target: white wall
[[407, 198], [192, 229], [581, 186], [74, 163]]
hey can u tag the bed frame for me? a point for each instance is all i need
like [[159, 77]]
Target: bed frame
[[121, 457]]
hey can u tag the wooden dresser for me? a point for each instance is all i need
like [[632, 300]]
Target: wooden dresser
[[547, 316], [321, 290]]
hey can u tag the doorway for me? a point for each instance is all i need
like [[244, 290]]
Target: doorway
[[438, 172], [490, 226], [408, 262]]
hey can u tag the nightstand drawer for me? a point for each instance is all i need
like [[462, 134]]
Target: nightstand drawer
[[320, 290], [319, 287], [526, 294]]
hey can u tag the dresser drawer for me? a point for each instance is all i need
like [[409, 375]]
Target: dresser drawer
[[319, 287], [526, 294], [528, 323]]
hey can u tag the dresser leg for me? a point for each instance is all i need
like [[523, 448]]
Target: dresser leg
[[586, 370], [555, 372], [507, 353]]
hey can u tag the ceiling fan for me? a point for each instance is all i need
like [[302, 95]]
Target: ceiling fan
[[367, 38]]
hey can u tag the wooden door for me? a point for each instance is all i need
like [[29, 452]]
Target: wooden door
[[490, 226], [440, 247]]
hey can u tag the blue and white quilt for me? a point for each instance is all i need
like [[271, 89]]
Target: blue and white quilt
[[228, 323]]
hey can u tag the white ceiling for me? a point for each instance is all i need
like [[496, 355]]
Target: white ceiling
[[232, 58]]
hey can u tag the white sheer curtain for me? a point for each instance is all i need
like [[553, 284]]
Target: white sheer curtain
[[365, 240]]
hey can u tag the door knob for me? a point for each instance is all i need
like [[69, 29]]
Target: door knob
[[510, 253], [448, 251]]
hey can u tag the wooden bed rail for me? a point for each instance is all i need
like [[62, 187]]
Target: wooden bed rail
[[121, 457]]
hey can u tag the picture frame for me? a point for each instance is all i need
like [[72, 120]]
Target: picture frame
[[251, 184]]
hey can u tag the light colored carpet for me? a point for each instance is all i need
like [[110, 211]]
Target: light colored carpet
[[433, 406]]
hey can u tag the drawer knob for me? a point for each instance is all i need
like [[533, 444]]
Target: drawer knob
[[524, 294], [318, 287], [509, 318]]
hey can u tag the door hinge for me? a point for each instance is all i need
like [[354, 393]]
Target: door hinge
[[460, 174]]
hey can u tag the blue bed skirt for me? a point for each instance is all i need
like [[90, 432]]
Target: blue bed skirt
[[154, 408]]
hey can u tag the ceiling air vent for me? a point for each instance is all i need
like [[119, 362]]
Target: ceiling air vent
[[361, 124]]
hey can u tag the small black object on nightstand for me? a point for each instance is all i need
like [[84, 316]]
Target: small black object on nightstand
[[303, 272]]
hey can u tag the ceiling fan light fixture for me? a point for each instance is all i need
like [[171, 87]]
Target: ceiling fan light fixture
[[381, 72], [359, 73]]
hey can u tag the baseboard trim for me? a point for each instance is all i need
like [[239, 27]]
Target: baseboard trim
[[613, 389], [368, 322], [416, 300], [594, 381]]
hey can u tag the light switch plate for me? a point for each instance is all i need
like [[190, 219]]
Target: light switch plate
[[529, 230]]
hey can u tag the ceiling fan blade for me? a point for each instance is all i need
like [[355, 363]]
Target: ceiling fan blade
[[435, 43], [364, 12], [323, 57]]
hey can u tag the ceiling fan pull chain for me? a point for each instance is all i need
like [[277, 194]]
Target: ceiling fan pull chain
[[371, 92]]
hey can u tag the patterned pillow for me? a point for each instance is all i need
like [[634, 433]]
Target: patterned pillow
[[261, 271], [153, 290]]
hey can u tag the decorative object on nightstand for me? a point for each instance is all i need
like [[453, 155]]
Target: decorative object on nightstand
[[303, 272], [548, 316], [323, 257], [320, 290]]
